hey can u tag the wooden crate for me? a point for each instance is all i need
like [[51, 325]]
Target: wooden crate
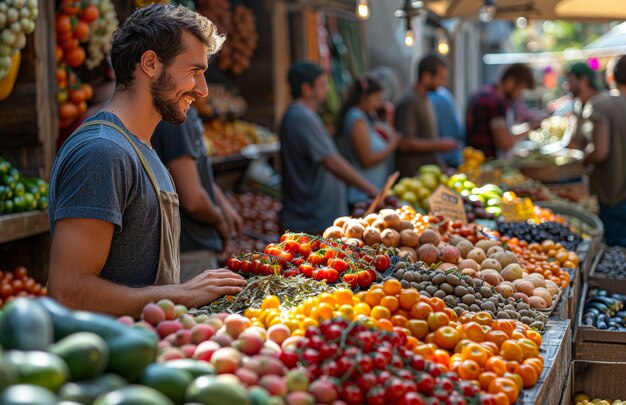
[[598, 345], [557, 354], [28, 117], [604, 380], [619, 284]]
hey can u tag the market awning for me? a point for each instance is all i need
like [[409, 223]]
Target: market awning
[[580, 10]]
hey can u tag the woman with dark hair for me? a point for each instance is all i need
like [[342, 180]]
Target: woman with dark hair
[[357, 138]]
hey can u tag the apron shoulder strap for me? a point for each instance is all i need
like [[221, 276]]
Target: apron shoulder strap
[[142, 158]]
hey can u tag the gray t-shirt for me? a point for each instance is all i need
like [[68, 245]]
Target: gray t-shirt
[[608, 178], [312, 196], [97, 174], [415, 117], [174, 141]]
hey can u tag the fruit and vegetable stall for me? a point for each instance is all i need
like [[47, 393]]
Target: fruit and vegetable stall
[[394, 307], [485, 285]]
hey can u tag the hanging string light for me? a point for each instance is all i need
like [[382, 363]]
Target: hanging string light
[[362, 10], [410, 9]]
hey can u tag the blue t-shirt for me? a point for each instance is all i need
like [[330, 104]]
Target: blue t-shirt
[[312, 196], [377, 174], [448, 123], [172, 142], [97, 174]]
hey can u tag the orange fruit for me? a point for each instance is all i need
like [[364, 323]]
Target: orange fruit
[[392, 286]]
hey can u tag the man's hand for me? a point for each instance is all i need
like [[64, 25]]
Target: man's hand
[[208, 286], [448, 144], [234, 220]]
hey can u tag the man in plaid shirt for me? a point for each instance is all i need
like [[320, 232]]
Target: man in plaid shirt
[[486, 119]]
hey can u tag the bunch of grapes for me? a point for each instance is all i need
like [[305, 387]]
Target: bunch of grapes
[[17, 19]]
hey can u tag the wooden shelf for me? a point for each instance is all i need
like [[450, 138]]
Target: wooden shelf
[[18, 226]]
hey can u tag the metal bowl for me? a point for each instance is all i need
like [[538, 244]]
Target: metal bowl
[[566, 164]]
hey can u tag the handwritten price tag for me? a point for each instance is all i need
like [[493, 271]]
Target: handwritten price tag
[[447, 203]]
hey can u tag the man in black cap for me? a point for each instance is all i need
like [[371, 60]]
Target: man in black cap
[[585, 88], [314, 173]]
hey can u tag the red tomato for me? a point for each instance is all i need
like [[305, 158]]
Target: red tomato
[[364, 278], [292, 246], [90, 13], [306, 270], [20, 273], [6, 290], [316, 259], [338, 265], [18, 286], [382, 262], [233, 264], [245, 266], [305, 249], [351, 279]]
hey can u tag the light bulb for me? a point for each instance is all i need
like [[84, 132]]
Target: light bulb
[[409, 39], [521, 22], [443, 47], [362, 10], [487, 12]]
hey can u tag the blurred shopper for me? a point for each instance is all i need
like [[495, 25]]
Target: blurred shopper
[[489, 118], [417, 123], [608, 176], [448, 123], [586, 90], [208, 220], [359, 141], [314, 173]]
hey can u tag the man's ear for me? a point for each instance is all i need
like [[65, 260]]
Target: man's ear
[[150, 64], [305, 89]]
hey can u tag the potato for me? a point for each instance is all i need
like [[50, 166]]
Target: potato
[[354, 242], [371, 218], [408, 237], [379, 224], [545, 294], [537, 302], [390, 237], [390, 219], [354, 230], [404, 224], [371, 236], [341, 221], [406, 252], [333, 232]]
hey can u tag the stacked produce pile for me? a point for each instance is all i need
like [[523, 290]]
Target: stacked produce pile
[[239, 25], [230, 137], [19, 193], [16, 283], [537, 233], [220, 103], [604, 310], [74, 22], [260, 215], [471, 347], [17, 19], [480, 202], [100, 34], [584, 399], [314, 257], [613, 263]]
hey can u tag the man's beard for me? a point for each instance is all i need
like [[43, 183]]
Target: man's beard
[[168, 108]]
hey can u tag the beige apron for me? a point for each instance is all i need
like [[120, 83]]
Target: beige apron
[[169, 254]]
